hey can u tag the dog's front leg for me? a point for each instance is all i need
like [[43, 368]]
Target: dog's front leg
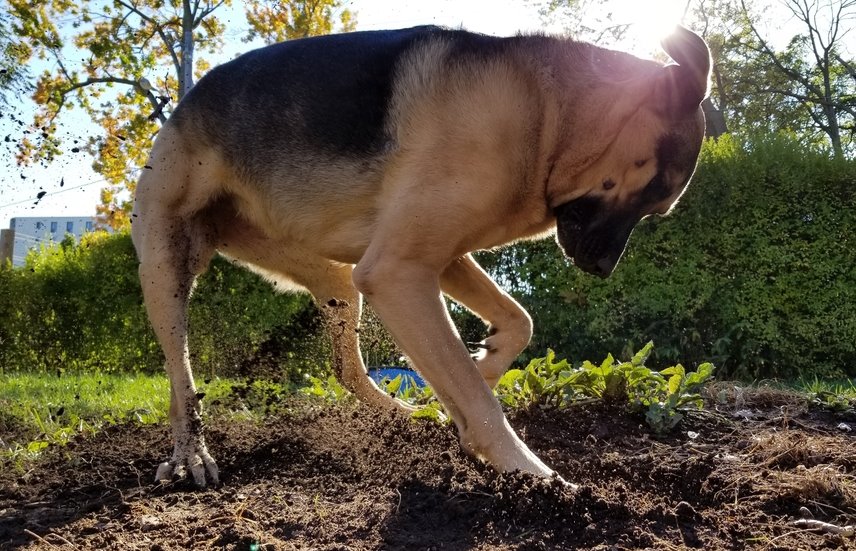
[[510, 325], [405, 292]]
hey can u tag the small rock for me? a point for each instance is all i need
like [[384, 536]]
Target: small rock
[[745, 414], [150, 522], [692, 435], [844, 427], [684, 510]]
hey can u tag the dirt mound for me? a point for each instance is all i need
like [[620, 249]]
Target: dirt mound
[[346, 477]]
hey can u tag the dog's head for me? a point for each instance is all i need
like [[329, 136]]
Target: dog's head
[[646, 167]]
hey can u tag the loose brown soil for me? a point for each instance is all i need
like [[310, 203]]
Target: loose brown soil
[[344, 477]]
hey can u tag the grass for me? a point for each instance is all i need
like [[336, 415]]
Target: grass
[[845, 387], [39, 410], [38, 398], [833, 395]]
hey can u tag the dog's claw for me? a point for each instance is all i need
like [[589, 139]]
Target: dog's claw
[[164, 472], [199, 462]]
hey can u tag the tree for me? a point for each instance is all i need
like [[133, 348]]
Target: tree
[[590, 20], [816, 75], [12, 68], [126, 63], [806, 88], [275, 21]]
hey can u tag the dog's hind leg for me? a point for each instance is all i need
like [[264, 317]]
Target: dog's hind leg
[[335, 295], [510, 327], [172, 251], [174, 244]]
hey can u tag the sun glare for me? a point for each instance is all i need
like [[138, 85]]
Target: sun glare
[[649, 22]]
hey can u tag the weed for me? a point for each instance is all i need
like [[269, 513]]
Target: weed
[[834, 396], [661, 395], [329, 389]]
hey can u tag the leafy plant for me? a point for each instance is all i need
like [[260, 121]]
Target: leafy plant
[[327, 388], [405, 388], [834, 396], [661, 395]]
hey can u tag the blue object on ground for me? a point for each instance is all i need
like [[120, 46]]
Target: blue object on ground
[[408, 376]]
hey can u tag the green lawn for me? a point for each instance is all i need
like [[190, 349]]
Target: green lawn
[[39, 410]]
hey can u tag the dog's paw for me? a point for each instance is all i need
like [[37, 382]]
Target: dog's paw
[[494, 355], [193, 458], [568, 485]]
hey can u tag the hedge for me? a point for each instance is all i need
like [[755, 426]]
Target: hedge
[[79, 307]]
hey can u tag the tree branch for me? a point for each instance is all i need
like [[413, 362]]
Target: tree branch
[[851, 70], [205, 13], [766, 50], [170, 45], [156, 104]]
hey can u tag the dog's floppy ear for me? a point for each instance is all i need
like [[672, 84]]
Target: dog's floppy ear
[[681, 88]]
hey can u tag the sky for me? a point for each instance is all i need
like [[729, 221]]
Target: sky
[[72, 188]]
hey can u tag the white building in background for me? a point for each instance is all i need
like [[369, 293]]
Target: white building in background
[[27, 233]]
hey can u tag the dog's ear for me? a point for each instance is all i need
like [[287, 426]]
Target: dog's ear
[[681, 88]]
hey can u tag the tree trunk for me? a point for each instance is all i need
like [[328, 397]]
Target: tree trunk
[[833, 131], [714, 120], [185, 79]]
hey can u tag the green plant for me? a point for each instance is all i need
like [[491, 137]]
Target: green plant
[[327, 388], [661, 395], [245, 398], [831, 395], [428, 407], [404, 388]]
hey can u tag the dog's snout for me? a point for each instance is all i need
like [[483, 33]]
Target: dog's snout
[[604, 267]]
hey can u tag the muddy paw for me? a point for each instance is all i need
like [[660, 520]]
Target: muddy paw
[[196, 459]]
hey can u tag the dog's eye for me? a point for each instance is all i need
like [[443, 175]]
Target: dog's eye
[[608, 184], [641, 162]]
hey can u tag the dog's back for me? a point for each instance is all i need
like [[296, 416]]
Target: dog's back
[[321, 95]]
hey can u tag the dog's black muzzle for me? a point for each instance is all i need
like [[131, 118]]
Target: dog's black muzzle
[[592, 235]]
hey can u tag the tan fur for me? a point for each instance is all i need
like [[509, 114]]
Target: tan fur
[[482, 154]]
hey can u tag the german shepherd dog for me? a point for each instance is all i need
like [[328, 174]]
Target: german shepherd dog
[[372, 164]]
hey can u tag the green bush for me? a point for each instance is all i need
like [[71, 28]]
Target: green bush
[[79, 307], [75, 306], [755, 270]]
